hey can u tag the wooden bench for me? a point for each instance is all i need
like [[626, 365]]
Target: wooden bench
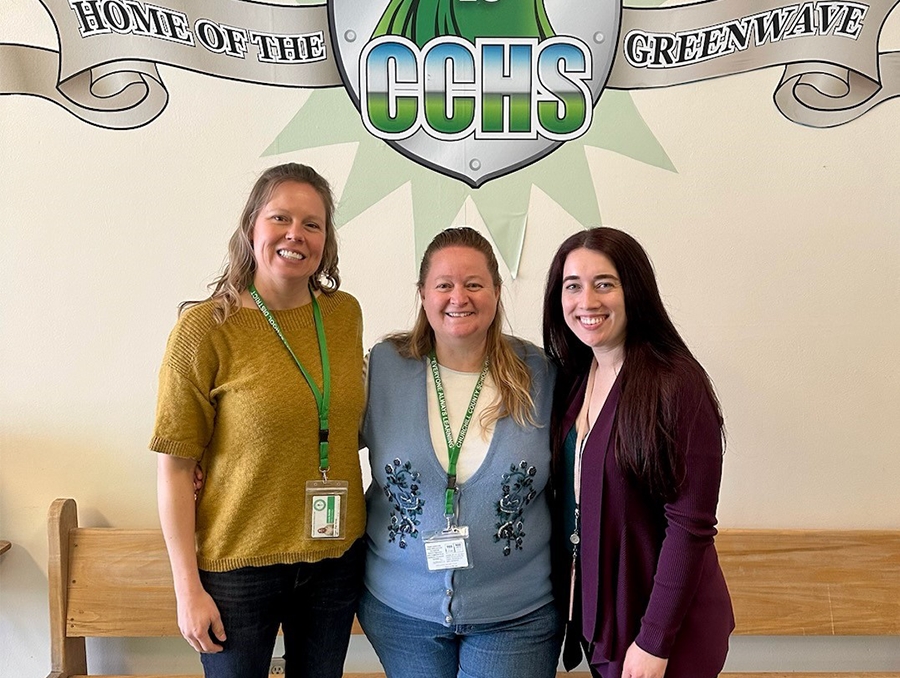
[[107, 582]]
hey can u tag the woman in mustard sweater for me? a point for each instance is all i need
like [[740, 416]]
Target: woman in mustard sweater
[[246, 389]]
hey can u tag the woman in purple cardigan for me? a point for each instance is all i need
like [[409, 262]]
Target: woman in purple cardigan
[[638, 455]]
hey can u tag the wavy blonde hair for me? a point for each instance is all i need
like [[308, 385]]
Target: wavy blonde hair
[[511, 375], [240, 265]]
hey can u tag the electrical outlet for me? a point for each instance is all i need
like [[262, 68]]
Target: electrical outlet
[[276, 668]]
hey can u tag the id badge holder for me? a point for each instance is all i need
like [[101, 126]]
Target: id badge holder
[[448, 549], [326, 508]]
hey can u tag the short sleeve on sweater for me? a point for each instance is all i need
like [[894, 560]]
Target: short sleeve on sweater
[[185, 413], [184, 417]]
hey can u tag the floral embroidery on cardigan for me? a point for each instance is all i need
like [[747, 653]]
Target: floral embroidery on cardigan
[[517, 494], [402, 491]]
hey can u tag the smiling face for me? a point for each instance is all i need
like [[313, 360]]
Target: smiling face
[[593, 301], [288, 237], [459, 297]]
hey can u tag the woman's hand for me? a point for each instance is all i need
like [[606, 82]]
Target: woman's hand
[[198, 617], [641, 664], [198, 481]]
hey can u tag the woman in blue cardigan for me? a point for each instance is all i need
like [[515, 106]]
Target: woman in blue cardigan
[[638, 445], [457, 424]]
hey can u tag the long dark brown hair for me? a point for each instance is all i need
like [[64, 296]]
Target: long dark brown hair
[[657, 364]]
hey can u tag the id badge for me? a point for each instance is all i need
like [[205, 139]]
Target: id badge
[[326, 508], [448, 550]]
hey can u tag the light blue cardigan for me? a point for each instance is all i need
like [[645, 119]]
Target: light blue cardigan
[[504, 503]]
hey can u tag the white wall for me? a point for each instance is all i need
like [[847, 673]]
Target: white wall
[[777, 249]]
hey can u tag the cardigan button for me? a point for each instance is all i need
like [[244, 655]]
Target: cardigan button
[[449, 592], [448, 619]]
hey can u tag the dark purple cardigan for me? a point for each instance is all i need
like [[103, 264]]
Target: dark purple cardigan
[[649, 570]]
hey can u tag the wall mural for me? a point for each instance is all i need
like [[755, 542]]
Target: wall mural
[[462, 98]]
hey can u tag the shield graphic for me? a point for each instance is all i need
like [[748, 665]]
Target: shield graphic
[[475, 89]]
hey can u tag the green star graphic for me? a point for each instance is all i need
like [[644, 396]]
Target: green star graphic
[[329, 117]]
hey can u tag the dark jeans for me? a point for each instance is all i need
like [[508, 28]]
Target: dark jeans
[[313, 602]]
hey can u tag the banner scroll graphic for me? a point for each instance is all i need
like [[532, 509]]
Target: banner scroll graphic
[[106, 72]]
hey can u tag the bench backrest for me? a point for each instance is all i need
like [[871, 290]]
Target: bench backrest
[[114, 582], [813, 582]]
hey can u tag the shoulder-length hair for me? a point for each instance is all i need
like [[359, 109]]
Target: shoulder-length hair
[[240, 264], [657, 363], [510, 373]]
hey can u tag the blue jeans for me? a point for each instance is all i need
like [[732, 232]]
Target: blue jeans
[[314, 603], [525, 647]]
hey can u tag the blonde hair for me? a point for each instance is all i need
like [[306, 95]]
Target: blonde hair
[[240, 265], [510, 373]]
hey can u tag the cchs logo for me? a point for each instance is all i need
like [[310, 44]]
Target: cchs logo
[[475, 89]]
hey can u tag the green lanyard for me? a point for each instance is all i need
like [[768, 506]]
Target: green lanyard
[[454, 448], [323, 398]]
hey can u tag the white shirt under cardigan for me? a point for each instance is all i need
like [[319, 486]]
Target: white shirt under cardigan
[[458, 388], [504, 502]]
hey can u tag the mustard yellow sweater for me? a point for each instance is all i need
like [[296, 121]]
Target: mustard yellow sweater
[[231, 397]]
